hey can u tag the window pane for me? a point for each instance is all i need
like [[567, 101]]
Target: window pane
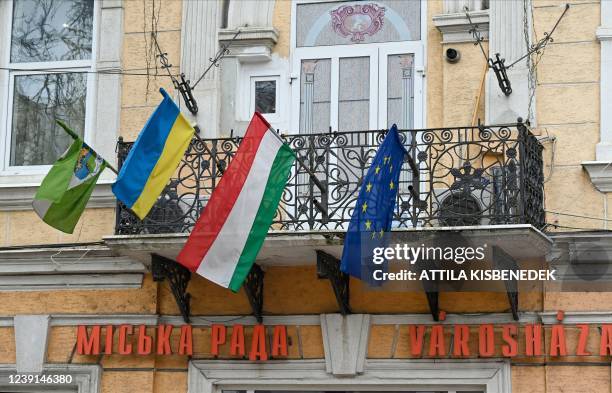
[[37, 101], [265, 96], [354, 94], [400, 104], [315, 96], [400, 91], [51, 30]]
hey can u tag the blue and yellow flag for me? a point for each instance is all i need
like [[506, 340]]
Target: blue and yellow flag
[[154, 157], [373, 213]]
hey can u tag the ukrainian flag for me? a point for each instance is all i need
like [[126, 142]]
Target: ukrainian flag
[[153, 158]]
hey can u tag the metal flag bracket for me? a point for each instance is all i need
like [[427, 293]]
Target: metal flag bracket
[[498, 64], [181, 84]]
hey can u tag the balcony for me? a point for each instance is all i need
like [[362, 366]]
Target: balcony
[[485, 183], [452, 177]]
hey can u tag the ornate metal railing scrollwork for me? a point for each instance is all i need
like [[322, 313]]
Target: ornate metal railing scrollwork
[[178, 277], [482, 175]]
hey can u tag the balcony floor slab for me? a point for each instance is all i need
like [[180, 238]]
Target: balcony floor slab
[[297, 248]]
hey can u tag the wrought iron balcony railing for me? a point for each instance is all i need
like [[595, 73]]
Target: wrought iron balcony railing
[[451, 177]]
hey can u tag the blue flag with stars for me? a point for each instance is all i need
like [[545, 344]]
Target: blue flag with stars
[[373, 213]]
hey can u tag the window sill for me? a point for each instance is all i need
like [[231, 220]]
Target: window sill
[[456, 27]]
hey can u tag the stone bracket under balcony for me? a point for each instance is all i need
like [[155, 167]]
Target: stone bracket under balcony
[[511, 244]]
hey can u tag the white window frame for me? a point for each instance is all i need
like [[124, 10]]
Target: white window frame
[[271, 117], [10, 70], [418, 47], [277, 69], [214, 376], [18, 185]]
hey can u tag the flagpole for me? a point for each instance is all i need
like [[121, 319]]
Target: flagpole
[[302, 164], [75, 137]]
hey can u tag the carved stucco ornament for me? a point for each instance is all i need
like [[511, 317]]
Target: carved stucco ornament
[[357, 21]]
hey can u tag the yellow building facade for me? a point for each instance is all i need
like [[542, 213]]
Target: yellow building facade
[[419, 67]]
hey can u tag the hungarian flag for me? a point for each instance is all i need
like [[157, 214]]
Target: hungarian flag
[[65, 190], [231, 230]]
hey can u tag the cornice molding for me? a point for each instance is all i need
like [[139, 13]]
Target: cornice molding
[[544, 317], [456, 27], [92, 267], [604, 33], [253, 44], [600, 173]]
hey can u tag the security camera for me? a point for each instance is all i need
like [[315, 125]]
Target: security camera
[[452, 55]]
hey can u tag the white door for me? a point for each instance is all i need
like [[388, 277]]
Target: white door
[[353, 88], [355, 66], [358, 87]]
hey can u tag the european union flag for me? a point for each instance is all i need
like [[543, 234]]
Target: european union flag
[[373, 213]]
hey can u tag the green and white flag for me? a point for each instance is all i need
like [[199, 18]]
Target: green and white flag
[[64, 192]]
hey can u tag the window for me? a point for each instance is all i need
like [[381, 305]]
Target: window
[[378, 376], [265, 96], [359, 65], [344, 391], [51, 56]]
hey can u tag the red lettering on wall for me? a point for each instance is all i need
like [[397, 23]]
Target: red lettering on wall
[[217, 338], [237, 341], [258, 344], [279, 341], [583, 339], [145, 343], [558, 345], [124, 347], [486, 345], [416, 339], [460, 341], [533, 340], [273, 341], [108, 344], [436, 341], [163, 339], [88, 344], [186, 341], [605, 346], [510, 348]]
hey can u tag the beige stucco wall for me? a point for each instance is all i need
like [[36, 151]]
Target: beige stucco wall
[[567, 104]]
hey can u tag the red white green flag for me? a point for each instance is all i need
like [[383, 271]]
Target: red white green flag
[[231, 230]]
